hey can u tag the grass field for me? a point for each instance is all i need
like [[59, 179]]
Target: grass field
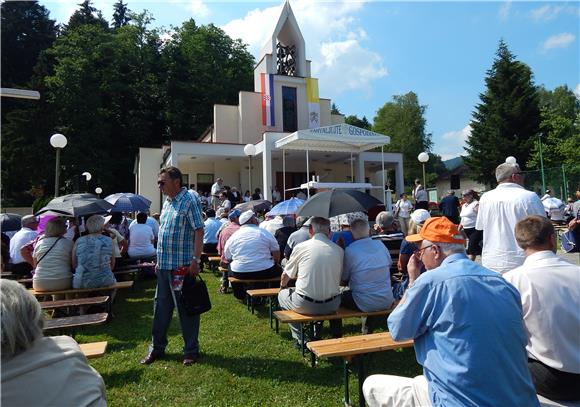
[[244, 362]]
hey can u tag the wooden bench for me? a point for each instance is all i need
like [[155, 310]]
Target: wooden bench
[[94, 350], [214, 262], [78, 302], [83, 292], [289, 316], [71, 323], [269, 293], [75, 291], [355, 347]]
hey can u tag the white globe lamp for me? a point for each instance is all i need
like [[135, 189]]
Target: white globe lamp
[[511, 160], [423, 158]]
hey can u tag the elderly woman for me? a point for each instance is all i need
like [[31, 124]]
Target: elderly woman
[[141, 238], [93, 256], [52, 258], [37, 370]]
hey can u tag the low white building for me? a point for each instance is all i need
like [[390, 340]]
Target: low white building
[[293, 132]]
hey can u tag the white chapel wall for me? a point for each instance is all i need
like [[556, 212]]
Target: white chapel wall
[[225, 122]]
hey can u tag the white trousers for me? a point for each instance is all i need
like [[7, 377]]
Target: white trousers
[[396, 391]]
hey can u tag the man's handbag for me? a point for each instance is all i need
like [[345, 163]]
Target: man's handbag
[[194, 295], [569, 241]]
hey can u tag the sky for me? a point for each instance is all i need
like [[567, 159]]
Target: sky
[[364, 52]]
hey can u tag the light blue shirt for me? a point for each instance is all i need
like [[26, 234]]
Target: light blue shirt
[[151, 222], [366, 268], [469, 335], [210, 230]]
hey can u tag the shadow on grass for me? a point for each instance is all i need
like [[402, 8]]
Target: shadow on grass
[[274, 369], [120, 379]]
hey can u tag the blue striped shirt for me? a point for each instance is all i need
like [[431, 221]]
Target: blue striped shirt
[[180, 217]]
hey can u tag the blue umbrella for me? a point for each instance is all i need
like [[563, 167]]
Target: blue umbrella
[[287, 207], [128, 202]]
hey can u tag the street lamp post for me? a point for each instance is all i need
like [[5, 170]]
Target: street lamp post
[[423, 158], [58, 141], [542, 164], [250, 150]]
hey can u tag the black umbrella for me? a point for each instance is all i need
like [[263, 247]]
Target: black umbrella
[[76, 205], [10, 222], [255, 205], [337, 202]]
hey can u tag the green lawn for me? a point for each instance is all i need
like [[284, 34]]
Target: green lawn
[[244, 363]]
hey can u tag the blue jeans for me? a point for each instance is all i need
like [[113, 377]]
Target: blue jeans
[[162, 314]]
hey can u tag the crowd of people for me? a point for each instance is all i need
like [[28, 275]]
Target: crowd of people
[[490, 334]]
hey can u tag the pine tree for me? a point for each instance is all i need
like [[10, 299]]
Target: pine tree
[[86, 14], [507, 120], [121, 14]]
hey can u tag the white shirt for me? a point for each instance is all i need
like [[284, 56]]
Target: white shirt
[[469, 214], [19, 239], [140, 239], [57, 263], [151, 222], [550, 291], [273, 225], [215, 189], [276, 196], [316, 264], [499, 211], [404, 208], [420, 194], [250, 249], [226, 204]]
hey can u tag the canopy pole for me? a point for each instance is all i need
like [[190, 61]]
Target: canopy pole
[[284, 174], [351, 169], [307, 175], [383, 165]]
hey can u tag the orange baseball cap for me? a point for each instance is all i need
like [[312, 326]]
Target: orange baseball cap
[[438, 230]]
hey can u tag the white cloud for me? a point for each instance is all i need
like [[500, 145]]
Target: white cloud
[[504, 10], [558, 41], [577, 91], [198, 8], [334, 40], [545, 13], [550, 12], [452, 143]]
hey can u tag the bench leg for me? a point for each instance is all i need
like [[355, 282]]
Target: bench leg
[[270, 305], [302, 338], [361, 379], [346, 399], [277, 323]]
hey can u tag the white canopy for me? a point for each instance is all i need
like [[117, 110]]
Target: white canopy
[[337, 138]]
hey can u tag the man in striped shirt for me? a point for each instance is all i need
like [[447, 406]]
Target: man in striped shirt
[[179, 244]]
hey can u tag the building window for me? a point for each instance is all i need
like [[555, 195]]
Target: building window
[[455, 182], [289, 109]]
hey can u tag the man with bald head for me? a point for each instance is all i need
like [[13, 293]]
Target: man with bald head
[[499, 211]]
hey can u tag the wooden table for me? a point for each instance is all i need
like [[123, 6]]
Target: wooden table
[[353, 347]]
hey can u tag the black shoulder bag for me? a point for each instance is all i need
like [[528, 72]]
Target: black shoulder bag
[[194, 295]]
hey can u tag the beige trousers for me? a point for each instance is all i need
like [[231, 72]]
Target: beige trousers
[[396, 391]]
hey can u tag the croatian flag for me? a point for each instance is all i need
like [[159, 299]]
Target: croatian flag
[[267, 99]]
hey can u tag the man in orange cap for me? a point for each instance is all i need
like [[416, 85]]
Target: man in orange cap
[[467, 325]]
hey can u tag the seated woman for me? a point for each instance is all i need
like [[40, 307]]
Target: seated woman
[[52, 258], [51, 371], [93, 257], [141, 238]]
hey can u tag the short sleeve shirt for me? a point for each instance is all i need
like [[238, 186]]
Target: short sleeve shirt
[[469, 335], [180, 217]]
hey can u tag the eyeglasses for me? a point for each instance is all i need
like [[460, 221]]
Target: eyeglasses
[[419, 252], [160, 183]]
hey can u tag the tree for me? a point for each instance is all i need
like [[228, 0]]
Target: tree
[[403, 121], [87, 14], [507, 120], [26, 31], [204, 67], [334, 109], [560, 130], [121, 14], [355, 121]]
